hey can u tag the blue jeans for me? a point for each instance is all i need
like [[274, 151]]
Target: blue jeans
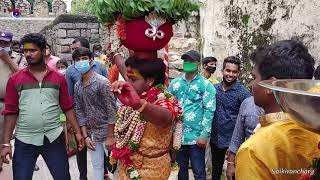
[[197, 157], [54, 154]]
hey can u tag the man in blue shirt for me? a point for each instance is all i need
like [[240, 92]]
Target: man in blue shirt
[[247, 121], [230, 94], [72, 77], [197, 97]]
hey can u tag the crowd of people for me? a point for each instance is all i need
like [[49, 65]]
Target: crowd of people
[[133, 120]]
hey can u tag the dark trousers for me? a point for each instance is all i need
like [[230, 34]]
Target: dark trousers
[[218, 157], [54, 154], [82, 163], [197, 157]]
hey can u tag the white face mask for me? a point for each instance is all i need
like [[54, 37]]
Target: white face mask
[[6, 49], [62, 71]]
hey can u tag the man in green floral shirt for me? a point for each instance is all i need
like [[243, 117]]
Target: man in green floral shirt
[[197, 96]]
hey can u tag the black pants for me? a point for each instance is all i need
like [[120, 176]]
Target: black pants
[[54, 154], [82, 163], [218, 156]]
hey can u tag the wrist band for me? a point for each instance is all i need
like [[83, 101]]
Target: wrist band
[[6, 145], [229, 162], [143, 106], [86, 137]]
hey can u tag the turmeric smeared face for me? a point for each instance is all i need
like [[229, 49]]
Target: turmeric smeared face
[[133, 74], [33, 53], [137, 80]]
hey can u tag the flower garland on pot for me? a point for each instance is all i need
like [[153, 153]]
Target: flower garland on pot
[[130, 127]]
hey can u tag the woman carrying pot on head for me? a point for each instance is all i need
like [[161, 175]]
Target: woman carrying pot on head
[[145, 121]]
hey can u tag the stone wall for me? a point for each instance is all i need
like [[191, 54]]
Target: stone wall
[[4, 5], [22, 26], [24, 7], [58, 7], [41, 8], [65, 28], [237, 27], [186, 37]]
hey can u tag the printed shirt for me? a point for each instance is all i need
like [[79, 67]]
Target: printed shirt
[[73, 75], [275, 150], [197, 98], [224, 120], [37, 104], [247, 121], [95, 106]]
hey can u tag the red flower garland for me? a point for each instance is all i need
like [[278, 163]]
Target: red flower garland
[[121, 29], [123, 154]]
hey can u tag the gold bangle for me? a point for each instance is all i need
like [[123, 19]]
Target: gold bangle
[[143, 106]]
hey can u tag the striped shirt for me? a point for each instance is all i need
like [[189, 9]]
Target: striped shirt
[[37, 104]]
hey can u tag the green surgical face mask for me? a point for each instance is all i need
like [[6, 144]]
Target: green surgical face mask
[[189, 67]]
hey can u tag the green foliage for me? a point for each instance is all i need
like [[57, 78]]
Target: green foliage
[[31, 1], [50, 5], [245, 19], [80, 7], [108, 11]]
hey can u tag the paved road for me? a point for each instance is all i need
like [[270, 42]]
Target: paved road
[[44, 174]]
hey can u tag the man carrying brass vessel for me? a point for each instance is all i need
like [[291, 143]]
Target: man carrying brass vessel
[[280, 149]]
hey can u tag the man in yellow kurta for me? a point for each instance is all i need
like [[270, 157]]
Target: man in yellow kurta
[[280, 149]]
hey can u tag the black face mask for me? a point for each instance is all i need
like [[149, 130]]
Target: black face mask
[[211, 69], [228, 83]]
